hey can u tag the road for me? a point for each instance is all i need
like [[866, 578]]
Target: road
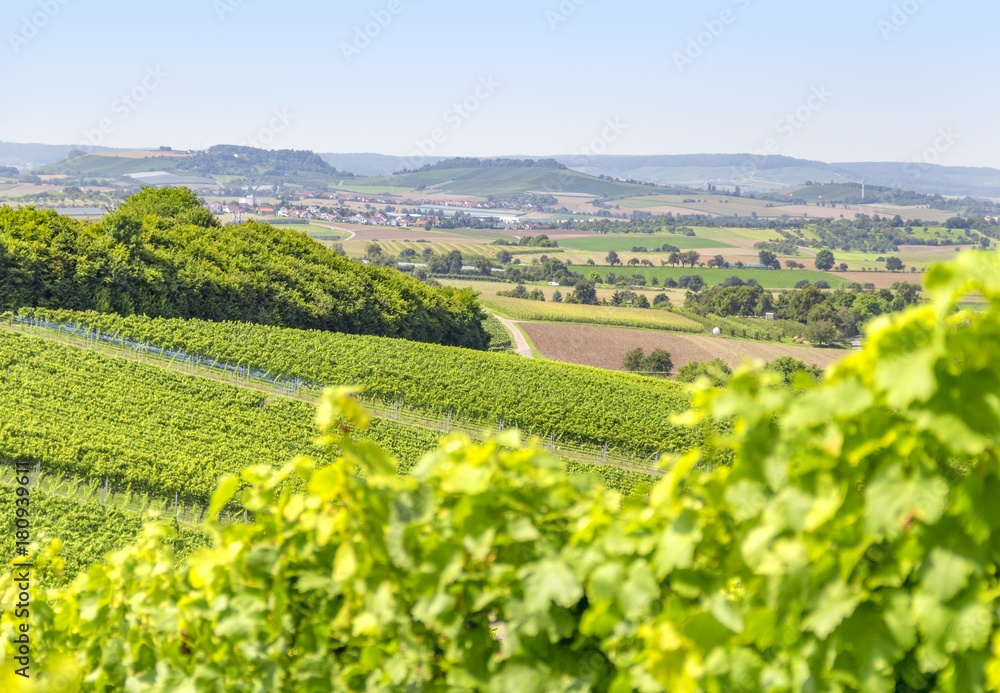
[[520, 341]]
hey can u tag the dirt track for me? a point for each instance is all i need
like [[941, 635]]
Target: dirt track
[[605, 347]]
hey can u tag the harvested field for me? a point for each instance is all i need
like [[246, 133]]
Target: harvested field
[[605, 347]]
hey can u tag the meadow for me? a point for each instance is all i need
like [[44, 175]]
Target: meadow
[[525, 310]]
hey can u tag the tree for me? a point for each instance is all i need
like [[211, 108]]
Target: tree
[[658, 362], [504, 257], [641, 301], [612, 258], [557, 297], [908, 292], [767, 258], [825, 259], [822, 332], [484, 265], [894, 264], [843, 267], [789, 367], [716, 372], [585, 293], [674, 258], [633, 360]]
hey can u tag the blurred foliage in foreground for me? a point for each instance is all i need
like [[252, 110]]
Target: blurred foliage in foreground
[[850, 546]]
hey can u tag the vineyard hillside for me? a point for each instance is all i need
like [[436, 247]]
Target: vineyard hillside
[[626, 412]]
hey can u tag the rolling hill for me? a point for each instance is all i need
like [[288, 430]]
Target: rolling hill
[[458, 176]]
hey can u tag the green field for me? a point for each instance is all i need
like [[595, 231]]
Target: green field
[[769, 279], [627, 242], [538, 311]]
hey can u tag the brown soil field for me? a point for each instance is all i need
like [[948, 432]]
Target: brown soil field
[[576, 204], [605, 347]]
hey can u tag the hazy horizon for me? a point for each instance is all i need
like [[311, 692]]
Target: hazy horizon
[[857, 82]]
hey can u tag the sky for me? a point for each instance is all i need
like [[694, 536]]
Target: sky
[[853, 80]]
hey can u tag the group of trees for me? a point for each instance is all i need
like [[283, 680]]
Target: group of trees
[[659, 362], [162, 254], [521, 291], [830, 317]]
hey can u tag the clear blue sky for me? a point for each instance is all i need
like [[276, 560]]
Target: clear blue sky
[[217, 71]]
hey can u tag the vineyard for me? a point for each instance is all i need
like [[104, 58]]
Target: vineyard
[[150, 434], [87, 531], [850, 545], [565, 403]]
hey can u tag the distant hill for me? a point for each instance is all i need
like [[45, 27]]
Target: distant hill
[[377, 164], [106, 166], [506, 176], [162, 254], [751, 172], [29, 156], [926, 178], [764, 173], [221, 161]]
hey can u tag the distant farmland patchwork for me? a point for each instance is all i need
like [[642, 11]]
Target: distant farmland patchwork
[[650, 241]]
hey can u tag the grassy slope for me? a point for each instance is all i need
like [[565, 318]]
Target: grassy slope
[[92, 165], [523, 309], [485, 181]]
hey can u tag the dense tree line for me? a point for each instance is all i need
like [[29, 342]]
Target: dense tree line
[[162, 254], [831, 317], [232, 160]]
